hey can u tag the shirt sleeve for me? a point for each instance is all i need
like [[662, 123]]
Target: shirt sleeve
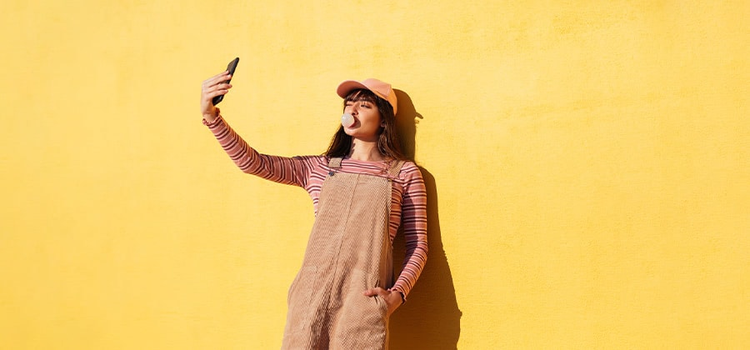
[[414, 222], [286, 170]]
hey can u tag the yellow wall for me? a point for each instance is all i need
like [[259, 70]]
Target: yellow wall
[[588, 166]]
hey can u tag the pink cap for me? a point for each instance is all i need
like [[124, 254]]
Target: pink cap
[[379, 88]]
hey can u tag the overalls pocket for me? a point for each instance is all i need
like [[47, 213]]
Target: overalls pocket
[[301, 311], [382, 306]]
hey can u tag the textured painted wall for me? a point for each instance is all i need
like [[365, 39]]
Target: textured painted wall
[[587, 164]]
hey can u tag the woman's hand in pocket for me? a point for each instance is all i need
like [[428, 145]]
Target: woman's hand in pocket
[[392, 298]]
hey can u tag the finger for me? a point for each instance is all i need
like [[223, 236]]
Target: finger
[[210, 96], [209, 84], [374, 291], [223, 76], [219, 86], [221, 89], [207, 98]]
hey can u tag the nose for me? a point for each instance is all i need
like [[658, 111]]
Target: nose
[[352, 109]]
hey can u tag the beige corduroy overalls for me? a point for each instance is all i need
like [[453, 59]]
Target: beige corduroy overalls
[[349, 251]]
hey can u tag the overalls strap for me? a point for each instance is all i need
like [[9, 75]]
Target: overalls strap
[[395, 169], [335, 162]]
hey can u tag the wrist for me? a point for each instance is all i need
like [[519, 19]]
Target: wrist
[[398, 295], [211, 116]]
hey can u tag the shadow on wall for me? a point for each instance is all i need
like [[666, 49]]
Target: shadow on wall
[[430, 319]]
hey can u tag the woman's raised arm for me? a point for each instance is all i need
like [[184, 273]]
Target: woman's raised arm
[[285, 170]]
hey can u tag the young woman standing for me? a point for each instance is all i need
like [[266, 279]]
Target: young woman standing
[[363, 189]]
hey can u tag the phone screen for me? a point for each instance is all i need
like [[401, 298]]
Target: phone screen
[[231, 67]]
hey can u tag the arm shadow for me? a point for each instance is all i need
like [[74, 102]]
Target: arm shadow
[[430, 319]]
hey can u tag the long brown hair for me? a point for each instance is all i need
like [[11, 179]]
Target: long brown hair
[[388, 142]]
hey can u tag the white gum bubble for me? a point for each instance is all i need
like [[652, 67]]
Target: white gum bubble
[[347, 120]]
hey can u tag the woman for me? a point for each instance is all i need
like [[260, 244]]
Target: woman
[[363, 189]]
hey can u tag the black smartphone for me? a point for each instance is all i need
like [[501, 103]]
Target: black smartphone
[[231, 68]]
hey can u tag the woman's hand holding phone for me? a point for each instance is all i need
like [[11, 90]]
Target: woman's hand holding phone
[[214, 90], [212, 87]]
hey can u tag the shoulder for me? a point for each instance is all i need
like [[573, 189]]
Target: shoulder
[[410, 172]]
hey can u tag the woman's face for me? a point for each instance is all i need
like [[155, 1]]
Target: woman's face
[[367, 121]]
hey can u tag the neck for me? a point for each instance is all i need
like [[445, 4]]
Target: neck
[[365, 150]]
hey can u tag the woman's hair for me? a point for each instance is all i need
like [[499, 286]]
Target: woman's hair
[[388, 141]]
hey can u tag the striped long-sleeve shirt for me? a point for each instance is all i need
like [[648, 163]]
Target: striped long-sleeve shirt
[[408, 195]]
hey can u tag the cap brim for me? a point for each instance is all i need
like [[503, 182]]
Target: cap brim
[[347, 86]]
